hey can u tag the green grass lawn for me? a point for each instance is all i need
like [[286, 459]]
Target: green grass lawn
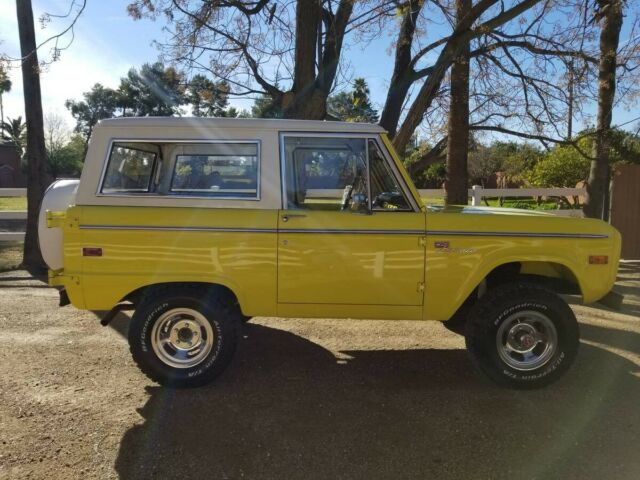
[[13, 203], [10, 255]]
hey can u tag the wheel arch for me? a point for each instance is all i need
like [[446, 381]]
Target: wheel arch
[[553, 274], [207, 288], [556, 276]]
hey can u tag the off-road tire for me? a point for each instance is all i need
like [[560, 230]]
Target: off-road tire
[[216, 305], [495, 307], [458, 322]]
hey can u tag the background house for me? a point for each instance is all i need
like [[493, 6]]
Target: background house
[[11, 175]]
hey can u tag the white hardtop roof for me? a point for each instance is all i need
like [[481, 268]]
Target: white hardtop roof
[[248, 123]]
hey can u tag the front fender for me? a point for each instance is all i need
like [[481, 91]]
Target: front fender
[[453, 273]]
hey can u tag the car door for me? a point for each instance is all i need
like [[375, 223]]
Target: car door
[[349, 233]]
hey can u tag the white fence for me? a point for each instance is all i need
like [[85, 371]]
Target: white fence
[[477, 193], [12, 214]]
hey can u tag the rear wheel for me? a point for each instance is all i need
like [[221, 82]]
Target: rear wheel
[[522, 335], [184, 337]]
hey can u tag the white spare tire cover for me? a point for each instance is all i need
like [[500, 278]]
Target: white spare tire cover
[[58, 197]]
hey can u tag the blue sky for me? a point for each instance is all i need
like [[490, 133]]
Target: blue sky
[[108, 42]]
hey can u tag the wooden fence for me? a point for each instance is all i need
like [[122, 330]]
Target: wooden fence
[[625, 208]]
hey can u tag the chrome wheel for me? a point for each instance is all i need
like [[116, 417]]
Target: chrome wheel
[[182, 337], [526, 340]]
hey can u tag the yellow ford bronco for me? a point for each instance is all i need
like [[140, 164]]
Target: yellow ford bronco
[[200, 224]]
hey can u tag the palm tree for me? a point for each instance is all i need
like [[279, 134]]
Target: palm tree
[[15, 131], [5, 87]]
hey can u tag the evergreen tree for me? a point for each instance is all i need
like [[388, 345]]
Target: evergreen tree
[[353, 106]]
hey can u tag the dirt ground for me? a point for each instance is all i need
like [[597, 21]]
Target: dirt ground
[[310, 399]]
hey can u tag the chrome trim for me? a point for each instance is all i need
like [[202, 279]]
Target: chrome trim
[[283, 170], [514, 234], [112, 141], [343, 231], [302, 133], [251, 230], [178, 229], [367, 164], [352, 232]]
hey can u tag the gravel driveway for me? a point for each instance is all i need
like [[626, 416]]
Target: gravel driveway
[[310, 399]]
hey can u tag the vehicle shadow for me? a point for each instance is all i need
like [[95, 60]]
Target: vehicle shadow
[[627, 284], [287, 409]]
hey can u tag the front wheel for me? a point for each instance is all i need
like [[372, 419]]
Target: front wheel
[[184, 337], [522, 335]]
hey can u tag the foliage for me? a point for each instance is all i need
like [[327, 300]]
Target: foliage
[[15, 131], [67, 160], [5, 81], [624, 145], [5, 87], [563, 166], [515, 158], [353, 106], [154, 91], [265, 107], [435, 175], [483, 164], [208, 98], [99, 103]]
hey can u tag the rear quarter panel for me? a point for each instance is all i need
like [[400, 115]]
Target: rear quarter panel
[[145, 246]]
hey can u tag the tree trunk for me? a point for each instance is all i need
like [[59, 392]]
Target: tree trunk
[[303, 100], [596, 205], [37, 172], [402, 77], [456, 184]]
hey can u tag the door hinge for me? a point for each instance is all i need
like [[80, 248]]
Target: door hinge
[[422, 241], [420, 287]]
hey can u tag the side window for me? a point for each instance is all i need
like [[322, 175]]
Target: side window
[[386, 193], [326, 173], [217, 170], [130, 169]]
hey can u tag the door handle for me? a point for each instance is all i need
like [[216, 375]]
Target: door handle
[[285, 218]]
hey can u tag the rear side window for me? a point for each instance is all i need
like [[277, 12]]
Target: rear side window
[[130, 169], [214, 169], [228, 170]]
